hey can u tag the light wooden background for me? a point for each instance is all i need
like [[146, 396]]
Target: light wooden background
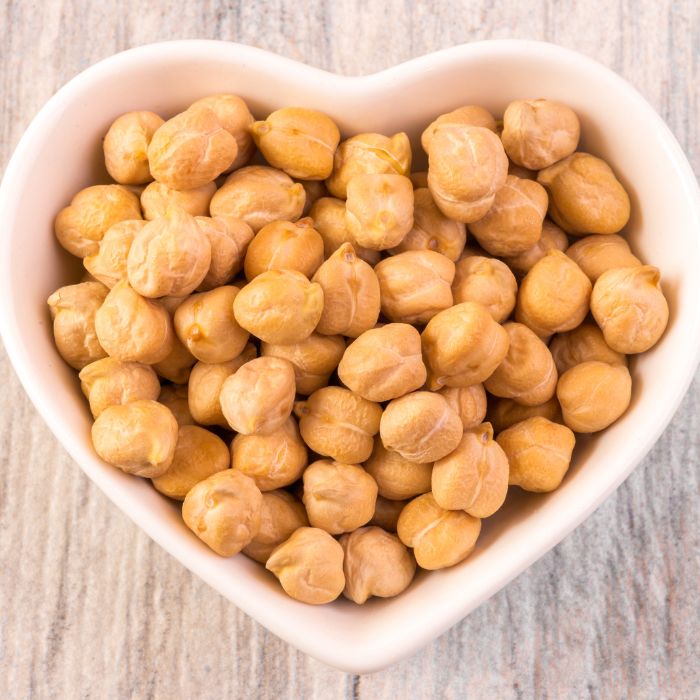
[[91, 608]]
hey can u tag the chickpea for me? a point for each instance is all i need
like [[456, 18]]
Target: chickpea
[[313, 358], [386, 513], [315, 190], [583, 344], [420, 426], [487, 281], [539, 453], [376, 563], [338, 497], [463, 345], [126, 147], [224, 511], [471, 115], [198, 454], [109, 382], [552, 238], [138, 437], [522, 173], [73, 311], [157, 198], [597, 254], [384, 363], [432, 230], [81, 225], [309, 565], [585, 196], [368, 154], [630, 307], [259, 195], [108, 264], [280, 307], [415, 285], [172, 303], [397, 478], [538, 133], [554, 296], [337, 423], [229, 239], [205, 323], [466, 167], [283, 245], [280, 516], [174, 397], [593, 395], [379, 210], [439, 537], [468, 402], [132, 328], [513, 224], [503, 413], [177, 365], [350, 292], [191, 149]]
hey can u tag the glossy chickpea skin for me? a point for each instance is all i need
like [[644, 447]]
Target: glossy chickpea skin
[[585, 196], [630, 308], [502, 413], [176, 366], [138, 437], [487, 281], [583, 344], [474, 477], [309, 565], [108, 264], [376, 563], [554, 296], [468, 402], [157, 198], [229, 240], [386, 513], [598, 254], [552, 238], [469, 115], [337, 423], [174, 397], [397, 478], [224, 511], [439, 537]]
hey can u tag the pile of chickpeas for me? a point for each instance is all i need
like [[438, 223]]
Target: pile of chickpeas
[[306, 352]]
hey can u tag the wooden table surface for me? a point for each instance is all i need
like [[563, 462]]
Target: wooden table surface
[[91, 608]]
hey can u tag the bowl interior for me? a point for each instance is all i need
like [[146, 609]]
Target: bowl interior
[[61, 153]]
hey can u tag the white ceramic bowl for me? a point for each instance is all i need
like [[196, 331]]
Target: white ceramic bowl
[[60, 153]]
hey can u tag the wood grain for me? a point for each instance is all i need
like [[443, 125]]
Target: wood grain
[[91, 608]]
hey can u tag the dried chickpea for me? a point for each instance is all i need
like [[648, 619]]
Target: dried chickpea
[[487, 281], [108, 264], [552, 238], [585, 196], [379, 210], [74, 310], [172, 303], [138, 437], [258, 397], [126, 147], [554, 296], [309, 565], [280, 307], [132, 328], [502, 413], [315, 190], [109, 382], [468, 402], [350, 292], [470, 115], [337, 423], [198, 454], [384, 363], [386, 513], [259, 195], [81, 225], [630, 308], [466, 167], [420, 426], [597, 254], [206, 325], [273, 460], [284, 245], [376, 563], [338, 497], [432, 230], [463, 345], [281, 515], [539, 453], [229, 239], [177, 365], [583, 344], [191, 149], [538, 133], [415, 285], [157, 198], [513, 224], [396, 477], [439, 537], [522, 173], [367, 154], [224, 511], [314, 359], [593, 395], [174, 397], [299, 141]]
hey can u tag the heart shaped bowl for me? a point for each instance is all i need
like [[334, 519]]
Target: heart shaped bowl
[[61, 153]]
